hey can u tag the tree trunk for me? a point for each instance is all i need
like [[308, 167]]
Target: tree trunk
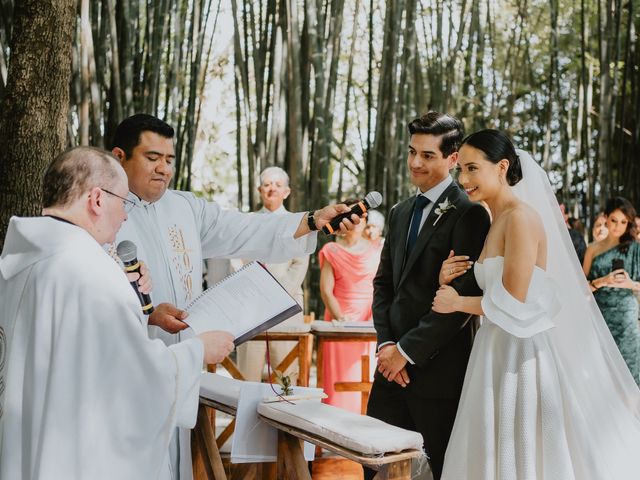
[[345, 122], [35, 103], [605, 100], [295, 152]]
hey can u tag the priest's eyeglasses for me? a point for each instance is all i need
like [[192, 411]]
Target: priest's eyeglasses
[[126, 203]]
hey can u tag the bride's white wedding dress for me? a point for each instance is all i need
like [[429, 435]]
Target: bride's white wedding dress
[[547, 395], [511, 424]]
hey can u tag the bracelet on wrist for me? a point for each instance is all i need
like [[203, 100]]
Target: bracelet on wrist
[[311, 222], [593, 284]]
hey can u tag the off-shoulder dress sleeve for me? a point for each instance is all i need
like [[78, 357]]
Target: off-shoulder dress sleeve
[[520, 319]]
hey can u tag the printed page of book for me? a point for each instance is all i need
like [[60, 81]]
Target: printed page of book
[[244, 303]]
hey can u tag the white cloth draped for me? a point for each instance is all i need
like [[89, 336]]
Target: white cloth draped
[[88, 394]]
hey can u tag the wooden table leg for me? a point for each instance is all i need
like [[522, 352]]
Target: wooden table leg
[[197, 459], [292, 454], [395, 471], [364, 377], [233, 369], [304, 357], [208, 448], [245, 471], [269, 471], [319, 376], [363, 386], [319, 360]]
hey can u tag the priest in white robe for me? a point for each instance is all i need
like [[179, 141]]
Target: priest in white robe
[[84, 393], [175, 231]]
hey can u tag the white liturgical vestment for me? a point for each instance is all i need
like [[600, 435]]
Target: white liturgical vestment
[[175, 234], [85, 393], [251, 356]]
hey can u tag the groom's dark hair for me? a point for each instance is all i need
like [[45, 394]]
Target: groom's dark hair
[[439, 124]]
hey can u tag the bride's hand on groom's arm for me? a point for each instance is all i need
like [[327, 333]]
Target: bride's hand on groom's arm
[[453, 267], [446, 300], [391, 364]]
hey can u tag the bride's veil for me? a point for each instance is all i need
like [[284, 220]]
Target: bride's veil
[[601, 398]]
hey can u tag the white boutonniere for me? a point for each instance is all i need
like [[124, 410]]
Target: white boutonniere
[[443, 208]]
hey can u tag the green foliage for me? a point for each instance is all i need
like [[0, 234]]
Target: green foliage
[[285, 383]]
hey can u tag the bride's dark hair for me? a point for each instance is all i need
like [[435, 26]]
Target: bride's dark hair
[[497, 146]]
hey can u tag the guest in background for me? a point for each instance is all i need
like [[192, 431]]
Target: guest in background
[[612, 266], [599, 230], [577, 225], [577, 234], [577, 238], [347, 268], [274, 189], [637, 222], [375, 227]]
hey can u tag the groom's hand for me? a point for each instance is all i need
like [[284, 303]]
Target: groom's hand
[[391, 363], [402, 378]]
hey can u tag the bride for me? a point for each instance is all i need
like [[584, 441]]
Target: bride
[[546, 395]]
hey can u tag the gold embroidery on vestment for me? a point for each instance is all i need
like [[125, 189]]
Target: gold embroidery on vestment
[[182, 260]]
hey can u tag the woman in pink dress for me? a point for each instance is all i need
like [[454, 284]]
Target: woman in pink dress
[[348, 266]]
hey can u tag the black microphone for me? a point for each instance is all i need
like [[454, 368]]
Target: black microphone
[[371, 200], [128, 253]]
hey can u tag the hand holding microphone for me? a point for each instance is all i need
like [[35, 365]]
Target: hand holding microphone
[[128, 254], [143, 278], [371, 200]]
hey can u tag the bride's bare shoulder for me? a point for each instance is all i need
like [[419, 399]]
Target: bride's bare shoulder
[[523, 218]]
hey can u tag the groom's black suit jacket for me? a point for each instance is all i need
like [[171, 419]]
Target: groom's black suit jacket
[[404, 290]]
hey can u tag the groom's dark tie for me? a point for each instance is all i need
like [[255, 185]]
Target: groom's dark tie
[[421, 202]]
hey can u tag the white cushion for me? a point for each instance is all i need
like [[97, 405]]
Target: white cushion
[[324, 326], [221, 389], [359, 433], [292, 328]]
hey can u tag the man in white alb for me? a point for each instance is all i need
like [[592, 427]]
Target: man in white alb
[[274, 189], [84, 393], [175, 231]]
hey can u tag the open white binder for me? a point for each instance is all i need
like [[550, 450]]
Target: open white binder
[[244, 304]]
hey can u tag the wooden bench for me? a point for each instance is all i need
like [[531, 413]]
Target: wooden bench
[[386, 448], [365, 440]]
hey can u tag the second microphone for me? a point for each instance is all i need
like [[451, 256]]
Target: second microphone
[[371, 200]]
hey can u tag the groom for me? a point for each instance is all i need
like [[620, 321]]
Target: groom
[[423, 355]]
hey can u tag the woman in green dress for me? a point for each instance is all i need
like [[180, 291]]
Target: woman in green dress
[[612, 266]]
